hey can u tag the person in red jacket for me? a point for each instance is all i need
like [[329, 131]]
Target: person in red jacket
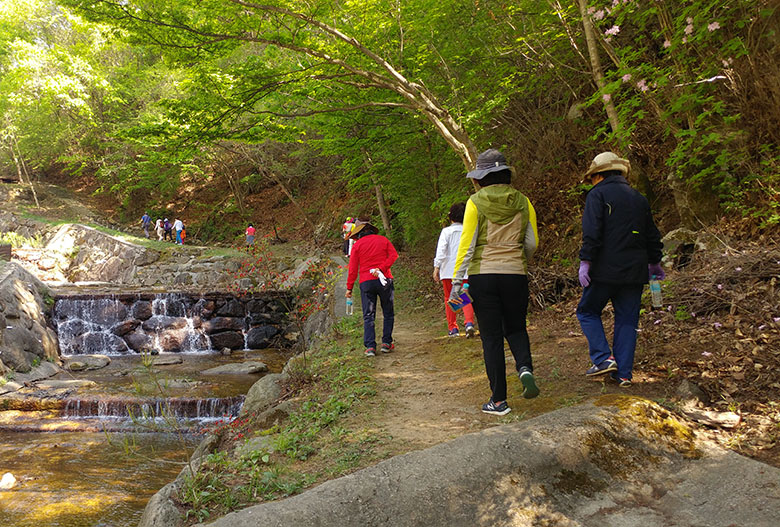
[[371, 259]]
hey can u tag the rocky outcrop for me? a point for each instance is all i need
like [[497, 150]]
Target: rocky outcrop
[[618, 461], [26, 337]]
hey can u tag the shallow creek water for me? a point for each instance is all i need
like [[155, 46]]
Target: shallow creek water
[[84, 471]]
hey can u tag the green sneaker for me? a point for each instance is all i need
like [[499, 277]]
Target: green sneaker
[[530, 390]]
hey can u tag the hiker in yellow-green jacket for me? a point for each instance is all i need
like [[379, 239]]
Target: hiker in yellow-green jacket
[[499, 237]]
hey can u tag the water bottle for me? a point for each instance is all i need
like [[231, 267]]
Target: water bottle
[[350, 308], [655, 292]]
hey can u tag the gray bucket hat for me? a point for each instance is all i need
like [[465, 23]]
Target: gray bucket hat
[[488, 161]]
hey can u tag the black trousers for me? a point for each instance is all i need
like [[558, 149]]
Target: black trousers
[[370, 290], [501, 306]]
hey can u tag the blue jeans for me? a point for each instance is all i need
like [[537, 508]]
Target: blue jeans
[[625, 302], [178, 237], [369, 291]]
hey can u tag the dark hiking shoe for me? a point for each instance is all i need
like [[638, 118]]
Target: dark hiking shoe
[[496, 409], [454, 333], [370, 352], [470, 331], [602, 368], [387, 348], [530, 390], [623, 382]]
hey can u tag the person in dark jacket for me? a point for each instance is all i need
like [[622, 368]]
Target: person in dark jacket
[[621, 249]]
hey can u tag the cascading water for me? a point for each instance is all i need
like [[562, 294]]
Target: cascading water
[[111, 326], [84, 326]]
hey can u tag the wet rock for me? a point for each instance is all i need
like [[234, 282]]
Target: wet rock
[[163, 322], [167, 360], [238, 368], [255, 306], [53, 384], [219, 324], [227, 339], [125, 327], [142, 310], [203, 308], [95, 343], [138, 341], [258, 338], [226, 351], [231, 308], [173, 339]]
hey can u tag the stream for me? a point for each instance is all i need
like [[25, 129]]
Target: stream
[[93, 455]]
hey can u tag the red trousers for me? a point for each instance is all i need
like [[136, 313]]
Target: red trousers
[[468, 309]]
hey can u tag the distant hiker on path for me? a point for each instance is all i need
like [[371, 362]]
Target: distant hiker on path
[[346, 230], [146, 220], [499, 237], [621, 249], [250, 235], [372, 256], [158, 228], [178, 226], [167, 230], [444, 267]]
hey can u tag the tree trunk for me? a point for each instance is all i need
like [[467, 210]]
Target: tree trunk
[[595, 67], [21, 168], [380, 201]]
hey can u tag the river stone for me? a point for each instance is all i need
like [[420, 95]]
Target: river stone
[[54, 384], [237, 368], [99, 342], [172, 340], [142, 310], [167, 360], [163, 322], [217, 324], [7, 482], [227, 339], [138, 341], [125, 327], [255, 306], [231, 308], [262, 394], [257, 338], [203, 308]]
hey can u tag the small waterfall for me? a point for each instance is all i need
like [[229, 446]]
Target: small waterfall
[[174, 407], [84, 326], [165, 322], [112, 326]]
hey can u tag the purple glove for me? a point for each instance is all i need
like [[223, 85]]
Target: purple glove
[[584, 273], [657, 270]]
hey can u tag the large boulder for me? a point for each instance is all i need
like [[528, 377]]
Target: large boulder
[[227, 339], [262, 394], [259, 338], [219, 324], [26, 336]]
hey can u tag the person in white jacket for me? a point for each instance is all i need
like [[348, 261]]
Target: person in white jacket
[[444, 267]]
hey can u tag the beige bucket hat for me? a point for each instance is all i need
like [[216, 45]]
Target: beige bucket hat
[[360, 225], [607, 161]]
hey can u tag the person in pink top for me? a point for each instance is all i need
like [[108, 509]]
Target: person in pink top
[[250, 234], [371, 259]]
